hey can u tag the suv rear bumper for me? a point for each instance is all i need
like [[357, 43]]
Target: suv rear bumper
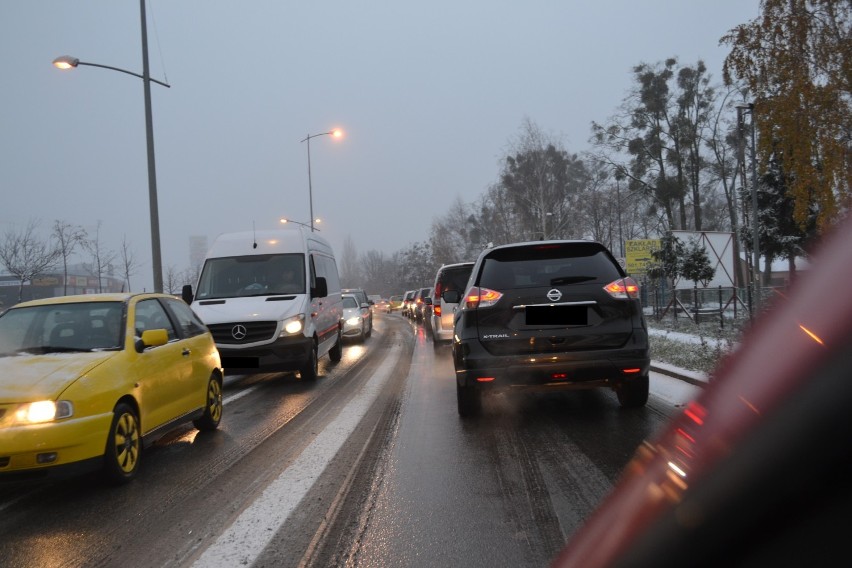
[[570, 370]]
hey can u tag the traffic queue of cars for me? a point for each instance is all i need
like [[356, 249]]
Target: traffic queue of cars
[[88, 381], [537, 316]]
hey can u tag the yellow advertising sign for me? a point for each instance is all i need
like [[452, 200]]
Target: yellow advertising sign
[[638, 253]]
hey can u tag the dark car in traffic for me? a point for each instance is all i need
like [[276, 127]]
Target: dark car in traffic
[[422, 304], [549, 315]]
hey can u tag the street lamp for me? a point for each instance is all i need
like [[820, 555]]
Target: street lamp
[[284, 221], [68, 62], [336, 133]]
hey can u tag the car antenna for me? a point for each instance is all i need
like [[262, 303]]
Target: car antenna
[[254, 237]]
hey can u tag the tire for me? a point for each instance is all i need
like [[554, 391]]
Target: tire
[[310, 370], [209, 421], [469, 401], [336, 352], [633, 393], [123, 450], [369, 331]]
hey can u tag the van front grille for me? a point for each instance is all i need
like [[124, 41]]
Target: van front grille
[[238, 333]]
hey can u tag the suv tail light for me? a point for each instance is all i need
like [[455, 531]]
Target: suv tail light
[[623, 289], [437, 310], [481, 298]]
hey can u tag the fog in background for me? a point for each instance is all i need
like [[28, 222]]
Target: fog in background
[[430, 96]]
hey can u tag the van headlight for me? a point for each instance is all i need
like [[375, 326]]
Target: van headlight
[[293, 325], [43, 411]]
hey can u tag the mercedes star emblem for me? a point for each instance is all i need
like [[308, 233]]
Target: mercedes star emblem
[[239, 332]]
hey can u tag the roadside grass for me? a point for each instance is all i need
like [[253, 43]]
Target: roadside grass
[[710, 345]]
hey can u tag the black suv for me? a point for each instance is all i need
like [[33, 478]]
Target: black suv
[[547, 315]]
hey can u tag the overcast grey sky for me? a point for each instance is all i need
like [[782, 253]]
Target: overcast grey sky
[[430, 96]]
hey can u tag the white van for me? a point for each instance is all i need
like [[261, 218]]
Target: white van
[[271, 300]]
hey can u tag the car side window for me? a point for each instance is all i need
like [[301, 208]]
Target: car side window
[[189, 325], [150, 314]]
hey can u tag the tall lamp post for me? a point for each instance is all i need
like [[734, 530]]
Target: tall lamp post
[[755, 228], [336, 133], [68, 62]]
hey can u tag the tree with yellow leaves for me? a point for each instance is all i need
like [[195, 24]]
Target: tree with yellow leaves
[[796, 60]]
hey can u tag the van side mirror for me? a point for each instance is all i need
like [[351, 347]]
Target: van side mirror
[[186, 293], [321, 289], [451, 296]]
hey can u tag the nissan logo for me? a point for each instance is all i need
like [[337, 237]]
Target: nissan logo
[[554, 295], [239, 332]]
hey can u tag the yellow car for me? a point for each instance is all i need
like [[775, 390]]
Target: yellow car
[[88, 381]]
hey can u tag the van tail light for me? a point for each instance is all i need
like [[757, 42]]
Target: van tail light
[[623, 289], [481, 298]]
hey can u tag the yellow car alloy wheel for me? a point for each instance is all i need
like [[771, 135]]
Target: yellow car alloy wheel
[[212, 408], [124, 446]]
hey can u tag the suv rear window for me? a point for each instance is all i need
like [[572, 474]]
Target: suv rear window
[[548, 265], [454, 278]]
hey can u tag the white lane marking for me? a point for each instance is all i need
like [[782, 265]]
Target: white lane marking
[[239, 395], [242, 542]]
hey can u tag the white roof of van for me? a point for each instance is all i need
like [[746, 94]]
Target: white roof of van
[[295, 239]]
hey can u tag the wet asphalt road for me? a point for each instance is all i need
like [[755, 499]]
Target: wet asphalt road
[[368, 466]]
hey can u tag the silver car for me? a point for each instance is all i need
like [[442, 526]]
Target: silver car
[[354, 318], [450, 278]]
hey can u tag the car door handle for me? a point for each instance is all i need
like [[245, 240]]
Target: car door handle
[[186, 352]]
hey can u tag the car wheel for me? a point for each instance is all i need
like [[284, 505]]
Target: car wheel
[[469, 401], [369, 331], [310, 370], [336, 352], [633, 393], [123, 446], [212, 408]]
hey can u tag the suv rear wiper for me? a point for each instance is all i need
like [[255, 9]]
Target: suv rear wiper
[[570, 280]]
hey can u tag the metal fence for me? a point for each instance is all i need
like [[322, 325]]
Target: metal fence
[[698, 304]]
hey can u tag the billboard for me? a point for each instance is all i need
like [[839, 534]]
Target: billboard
[[720, 249]]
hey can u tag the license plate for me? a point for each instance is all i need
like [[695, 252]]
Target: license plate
[[557, 315]]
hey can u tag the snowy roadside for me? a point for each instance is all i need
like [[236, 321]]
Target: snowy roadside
[[698, 378]]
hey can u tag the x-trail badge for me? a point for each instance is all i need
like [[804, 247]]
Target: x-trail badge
[[554, 295]]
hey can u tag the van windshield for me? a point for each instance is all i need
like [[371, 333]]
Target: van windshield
[[256, 275]]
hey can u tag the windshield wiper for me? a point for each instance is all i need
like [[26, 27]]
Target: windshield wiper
[[44, 349]]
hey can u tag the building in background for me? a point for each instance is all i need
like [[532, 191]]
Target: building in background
[[53, 284]]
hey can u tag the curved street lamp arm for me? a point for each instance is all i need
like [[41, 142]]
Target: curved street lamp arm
[[124, 71]]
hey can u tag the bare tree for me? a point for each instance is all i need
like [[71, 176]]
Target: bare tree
[[348, 265], [128, 261], [102, 257], [172, 280], [68, 238], [543, 182], [25, 256]]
